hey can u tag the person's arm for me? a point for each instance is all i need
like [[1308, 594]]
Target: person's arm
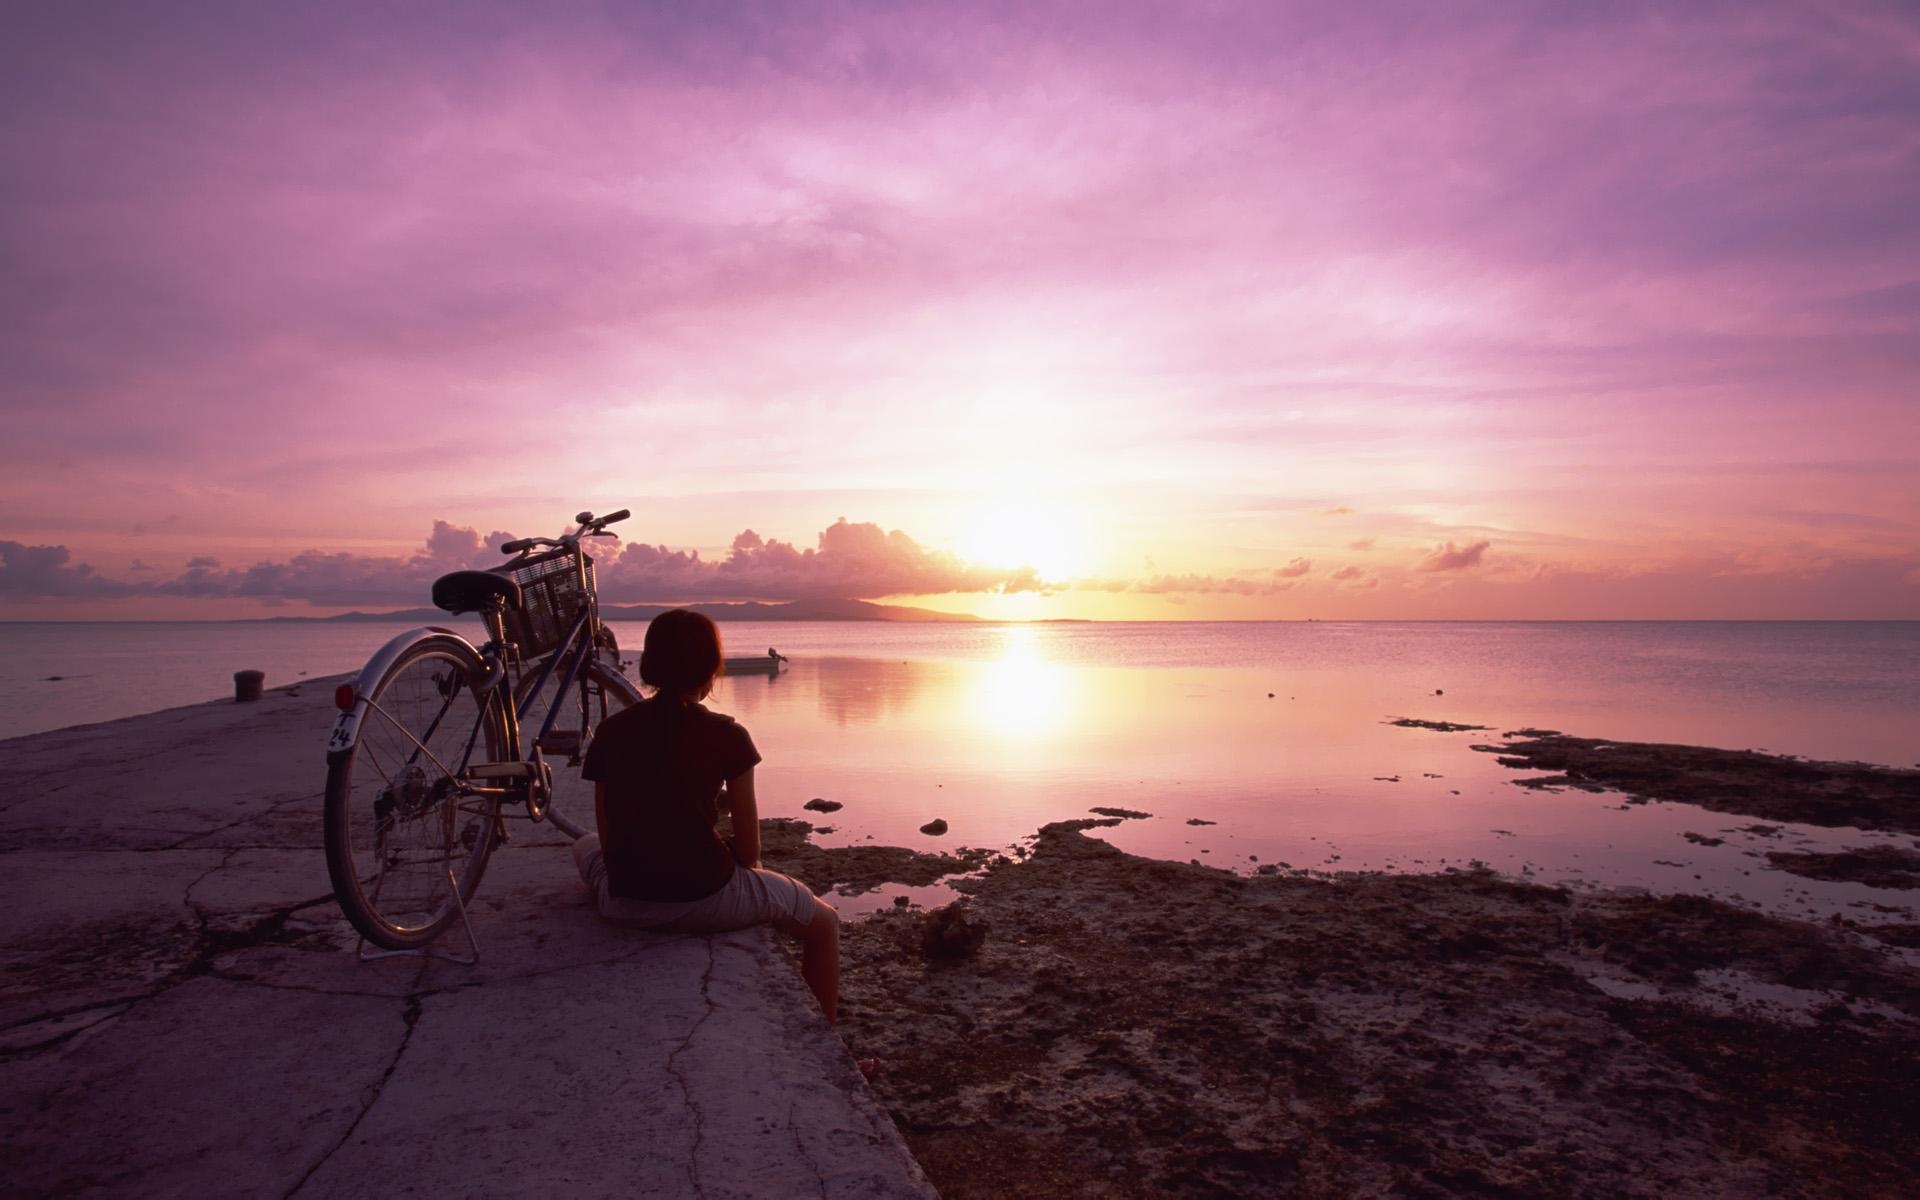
[[600, 810], [746, 819]]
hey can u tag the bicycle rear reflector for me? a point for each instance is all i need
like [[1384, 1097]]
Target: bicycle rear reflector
[[343, 697]]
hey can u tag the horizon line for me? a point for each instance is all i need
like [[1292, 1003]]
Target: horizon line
[[970, 619]]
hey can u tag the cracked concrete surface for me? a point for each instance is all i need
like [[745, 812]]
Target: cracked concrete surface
[[181, 1011]]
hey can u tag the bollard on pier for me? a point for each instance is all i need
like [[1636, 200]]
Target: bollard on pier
[[247, 685]]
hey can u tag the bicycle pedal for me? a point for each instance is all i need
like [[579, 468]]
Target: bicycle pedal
[[561, 742]]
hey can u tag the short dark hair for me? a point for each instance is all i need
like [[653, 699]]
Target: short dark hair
[[681, 656]]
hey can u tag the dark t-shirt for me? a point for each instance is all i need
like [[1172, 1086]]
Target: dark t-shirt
[[663, 764]]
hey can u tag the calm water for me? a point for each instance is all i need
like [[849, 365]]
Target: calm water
[[999, 729]]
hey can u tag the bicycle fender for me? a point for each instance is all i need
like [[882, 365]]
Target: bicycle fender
[[346, 729]]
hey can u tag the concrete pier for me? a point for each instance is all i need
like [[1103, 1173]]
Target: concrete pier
[[182, 1013]]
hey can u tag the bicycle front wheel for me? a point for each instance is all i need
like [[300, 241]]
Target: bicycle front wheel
[[583, 710], [402, 835]]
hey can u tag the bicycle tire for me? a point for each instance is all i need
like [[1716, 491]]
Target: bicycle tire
[[571, 807], [395, 829]]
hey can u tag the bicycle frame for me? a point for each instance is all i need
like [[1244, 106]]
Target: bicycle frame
[[575, 651]]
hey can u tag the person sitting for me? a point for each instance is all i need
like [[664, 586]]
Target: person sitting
[[658, 769]]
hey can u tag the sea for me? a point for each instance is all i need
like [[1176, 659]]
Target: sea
[[1249, 745]]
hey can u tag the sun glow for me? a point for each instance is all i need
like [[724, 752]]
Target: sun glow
[[1026, 532]]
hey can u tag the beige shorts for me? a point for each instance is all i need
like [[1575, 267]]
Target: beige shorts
[[754, 896]]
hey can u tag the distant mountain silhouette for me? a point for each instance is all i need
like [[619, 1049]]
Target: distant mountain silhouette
[[750, 610]]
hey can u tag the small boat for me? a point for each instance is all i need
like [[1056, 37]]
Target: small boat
[[758, 664]]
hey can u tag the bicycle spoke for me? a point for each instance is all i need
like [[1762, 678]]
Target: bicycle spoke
[[406, 822]]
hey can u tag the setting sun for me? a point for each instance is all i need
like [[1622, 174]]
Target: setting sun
[[1026, 532]]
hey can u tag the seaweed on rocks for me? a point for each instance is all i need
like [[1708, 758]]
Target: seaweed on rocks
[[1137, 1027], [1747, 782], [785, 847], [1876, 866]]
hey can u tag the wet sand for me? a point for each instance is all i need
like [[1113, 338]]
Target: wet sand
[[1136, 1027]]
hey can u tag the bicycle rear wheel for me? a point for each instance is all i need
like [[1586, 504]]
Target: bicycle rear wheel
[[607, 692], [401, 837]]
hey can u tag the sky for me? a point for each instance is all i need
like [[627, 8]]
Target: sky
[[1455, 311]]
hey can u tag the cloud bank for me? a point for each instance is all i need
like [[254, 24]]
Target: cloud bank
[[861, 560], [851, 560], [46, 573]]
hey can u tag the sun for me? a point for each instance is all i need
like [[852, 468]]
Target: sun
[[1025, 532]]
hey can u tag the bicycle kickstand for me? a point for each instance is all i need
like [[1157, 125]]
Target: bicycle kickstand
[[473, 944]]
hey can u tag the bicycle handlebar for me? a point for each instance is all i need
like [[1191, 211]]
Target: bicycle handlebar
[[589, 526]]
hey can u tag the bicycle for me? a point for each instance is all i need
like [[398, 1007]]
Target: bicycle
[[429, 749]]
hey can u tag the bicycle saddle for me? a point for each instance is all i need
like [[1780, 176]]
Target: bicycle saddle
[[471, 591]]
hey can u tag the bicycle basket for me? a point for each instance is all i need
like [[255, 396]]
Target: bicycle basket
[[550, 588]]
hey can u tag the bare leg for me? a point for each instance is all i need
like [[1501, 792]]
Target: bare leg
[[820, 957]]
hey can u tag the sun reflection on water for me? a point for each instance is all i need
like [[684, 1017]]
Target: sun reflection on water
[[1021, 696]]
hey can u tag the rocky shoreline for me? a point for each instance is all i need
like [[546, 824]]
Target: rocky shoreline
[[1770, 786], [1135, 1027]]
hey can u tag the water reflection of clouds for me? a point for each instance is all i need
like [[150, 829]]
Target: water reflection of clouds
[[843, 691], [860, 692]]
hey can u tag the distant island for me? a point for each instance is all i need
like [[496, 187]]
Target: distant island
[[748, 610]]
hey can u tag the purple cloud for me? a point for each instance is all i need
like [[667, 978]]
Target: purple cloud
[[1448, 557], [852, 560], [45, 572], [339, 579]]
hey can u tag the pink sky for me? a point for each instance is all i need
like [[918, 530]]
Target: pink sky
[[1320, 310]]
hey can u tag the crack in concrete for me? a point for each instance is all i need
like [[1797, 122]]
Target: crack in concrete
[[800, 1148], [269, 810], [411, 1015], [543, 972], [186, 896], [76, 1010], [248, 981], [208, 944], [261, 931], [315, 848], [120, 1006], [686, 1086]]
